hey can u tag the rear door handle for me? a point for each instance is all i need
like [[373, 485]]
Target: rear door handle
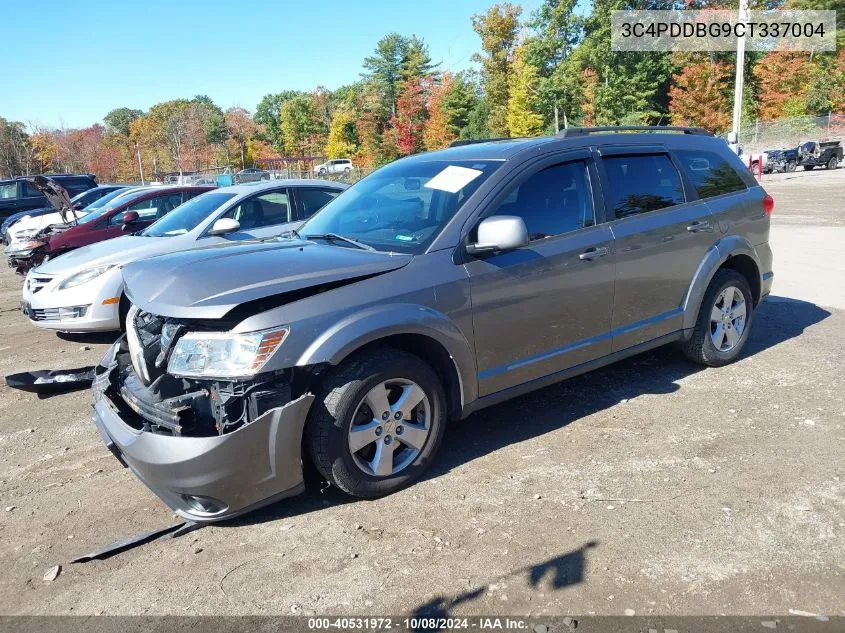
[[593, 253], [701, 225]]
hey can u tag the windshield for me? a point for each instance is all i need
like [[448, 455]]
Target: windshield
[[402, 207], [105, 204], [188, 216]]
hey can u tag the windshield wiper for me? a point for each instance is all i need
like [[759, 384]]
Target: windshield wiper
[[334, 237]]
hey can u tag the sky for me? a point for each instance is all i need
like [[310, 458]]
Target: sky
[[71, 63]]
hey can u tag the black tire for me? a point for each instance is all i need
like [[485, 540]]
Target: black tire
[[790, 167], [336, 401], [809, 167], [700, 347], [831, 164]]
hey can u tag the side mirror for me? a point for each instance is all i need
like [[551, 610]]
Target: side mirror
[[129, 218], [224, 226], [499, 233]]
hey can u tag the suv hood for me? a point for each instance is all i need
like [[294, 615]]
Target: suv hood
[[208, 283], [116, 251]]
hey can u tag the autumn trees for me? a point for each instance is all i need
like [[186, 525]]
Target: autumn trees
[[534, 72]]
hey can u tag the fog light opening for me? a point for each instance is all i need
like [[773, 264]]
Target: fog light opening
[[204, 505]]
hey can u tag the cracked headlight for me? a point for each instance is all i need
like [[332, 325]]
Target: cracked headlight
[[224, 354], [82, 277]]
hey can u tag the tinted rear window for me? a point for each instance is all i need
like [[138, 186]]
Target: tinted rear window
[[642, 182], [711, 175]]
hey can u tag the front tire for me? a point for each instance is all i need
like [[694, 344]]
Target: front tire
[[831, 164], [724, 321], [790, 167], [358, 434]]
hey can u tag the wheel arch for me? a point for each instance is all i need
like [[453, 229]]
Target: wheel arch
[[416, 329], [733, 252]]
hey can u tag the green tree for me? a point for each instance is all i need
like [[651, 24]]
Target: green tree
[[498, 29], [396, 60], [459, 102], [118, 120], [267, 114]]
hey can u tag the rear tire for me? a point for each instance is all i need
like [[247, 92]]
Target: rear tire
[[710, 329], [832, 163], [342, 401]]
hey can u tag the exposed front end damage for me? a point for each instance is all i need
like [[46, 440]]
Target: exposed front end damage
[[210, 449]]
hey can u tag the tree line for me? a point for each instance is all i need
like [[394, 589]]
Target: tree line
[[534, 74]]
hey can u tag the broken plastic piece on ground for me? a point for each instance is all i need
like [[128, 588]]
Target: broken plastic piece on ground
[[46, 382], [133, 541]]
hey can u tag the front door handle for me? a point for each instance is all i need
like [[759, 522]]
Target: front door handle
[[593, 253], [701, 225]]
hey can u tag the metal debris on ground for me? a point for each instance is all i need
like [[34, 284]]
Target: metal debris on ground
[[133, 541]]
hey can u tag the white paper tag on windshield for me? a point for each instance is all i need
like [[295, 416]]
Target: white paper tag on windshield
[[453, 179]]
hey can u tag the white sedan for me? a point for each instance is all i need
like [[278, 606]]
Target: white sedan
[[82, 291]]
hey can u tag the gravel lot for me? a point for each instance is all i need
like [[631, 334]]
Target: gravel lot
[[651, 485]]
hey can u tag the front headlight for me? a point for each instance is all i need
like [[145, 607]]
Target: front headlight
[[82, 277], [224, 354]]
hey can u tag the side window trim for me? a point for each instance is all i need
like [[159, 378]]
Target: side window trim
[[688, 190]]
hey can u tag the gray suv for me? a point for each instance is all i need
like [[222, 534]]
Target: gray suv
[[441, 284]]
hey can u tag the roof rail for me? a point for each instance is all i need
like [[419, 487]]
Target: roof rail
[[473, 141], [572, 132]]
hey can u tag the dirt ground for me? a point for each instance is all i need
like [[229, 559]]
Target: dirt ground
[[652, 485]]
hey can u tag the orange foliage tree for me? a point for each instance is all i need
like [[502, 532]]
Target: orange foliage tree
[[701, 95], [781, 78], [436, 133]]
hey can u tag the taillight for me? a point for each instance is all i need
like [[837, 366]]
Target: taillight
[[768, 204]]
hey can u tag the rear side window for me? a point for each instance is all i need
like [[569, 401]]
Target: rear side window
[[553, 201], [711, 175], [312, 200], [640, 183]]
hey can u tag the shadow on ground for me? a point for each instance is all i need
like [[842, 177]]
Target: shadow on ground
[[656, 372], [559, 572]]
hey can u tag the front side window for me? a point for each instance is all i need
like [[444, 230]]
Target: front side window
[[312, 200], [149, 209], [711, 175], [553, 201], [189, 215], [640, 183], [403, 206], [257, 212]]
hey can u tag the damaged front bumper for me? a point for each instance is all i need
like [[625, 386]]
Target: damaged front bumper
[[212, 478]]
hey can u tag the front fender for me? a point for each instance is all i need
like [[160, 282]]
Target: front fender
[[715, 256], [378, 322]]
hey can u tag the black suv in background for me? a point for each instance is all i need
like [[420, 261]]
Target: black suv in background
[[19, 194]]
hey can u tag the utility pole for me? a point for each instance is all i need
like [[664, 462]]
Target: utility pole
[[740, 75], [140, 165], [557, 125]]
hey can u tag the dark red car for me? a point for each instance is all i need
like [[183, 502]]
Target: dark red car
[[130, 212]]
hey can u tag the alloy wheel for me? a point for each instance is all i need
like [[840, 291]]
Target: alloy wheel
[[390, 427], [727, 319]]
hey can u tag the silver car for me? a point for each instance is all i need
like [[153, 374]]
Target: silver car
[[440, 284]]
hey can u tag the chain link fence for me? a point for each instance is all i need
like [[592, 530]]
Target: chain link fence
[[757, 137]]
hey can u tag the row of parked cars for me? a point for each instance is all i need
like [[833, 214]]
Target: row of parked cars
[[264, 329]]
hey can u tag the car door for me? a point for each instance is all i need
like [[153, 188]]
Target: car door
[[545, 307], [661, 231], [260, 216]]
